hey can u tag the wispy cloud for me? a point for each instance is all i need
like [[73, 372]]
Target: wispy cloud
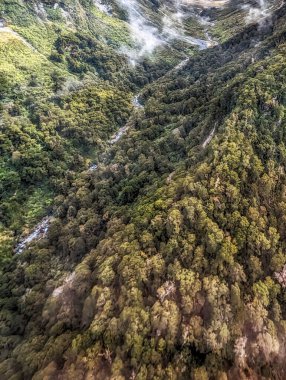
[[257, 13], [147, 36]]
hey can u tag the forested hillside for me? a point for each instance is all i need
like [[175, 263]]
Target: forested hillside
[[64, 89], [165, 190]]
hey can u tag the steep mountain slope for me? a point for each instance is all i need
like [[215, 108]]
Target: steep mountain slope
[[63, 93], [166, 260], [49, 53], [49, 125]]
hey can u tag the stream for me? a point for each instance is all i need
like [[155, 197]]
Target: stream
[[136, 102], [41, 229], [208, 139], [38, 232]]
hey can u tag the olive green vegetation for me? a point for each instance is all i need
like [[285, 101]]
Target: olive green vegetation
[[64, 90], [166, 262], [51, 120], [53, 115]]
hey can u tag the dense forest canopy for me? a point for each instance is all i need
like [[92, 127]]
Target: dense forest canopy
[[142, 191]]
